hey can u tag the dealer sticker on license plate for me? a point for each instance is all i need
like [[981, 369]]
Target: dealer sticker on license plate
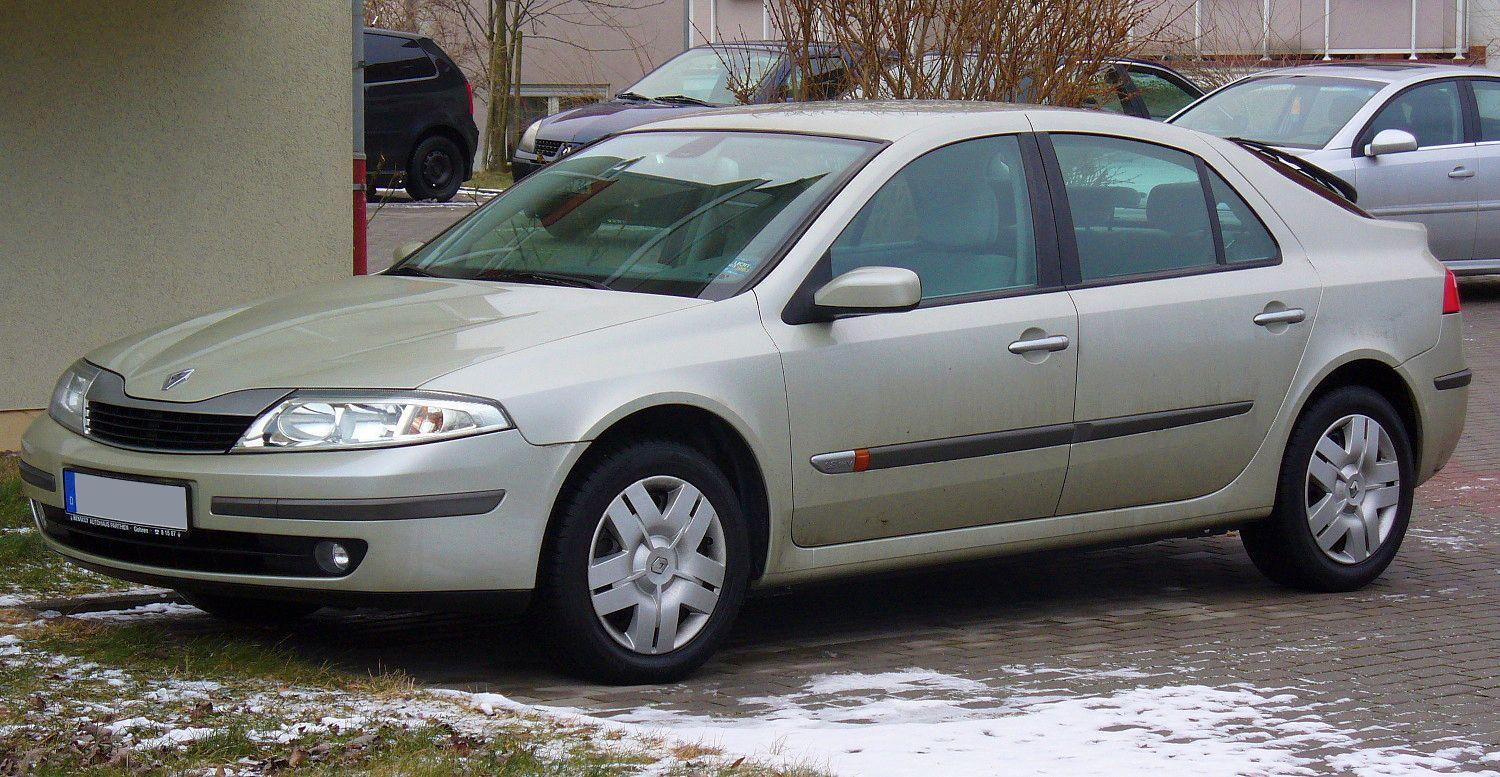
[[135, 506]]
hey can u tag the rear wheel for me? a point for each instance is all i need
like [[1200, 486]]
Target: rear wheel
[[265, 612], [648, 566], [1345, 495], [436, 170]]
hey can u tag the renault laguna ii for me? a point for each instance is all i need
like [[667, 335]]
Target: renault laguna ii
[[769, 345]]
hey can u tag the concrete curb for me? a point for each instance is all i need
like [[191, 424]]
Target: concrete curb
[[103, 602]]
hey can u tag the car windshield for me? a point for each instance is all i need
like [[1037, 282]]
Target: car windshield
[[691, 214], [1290, 110], [720, 76]]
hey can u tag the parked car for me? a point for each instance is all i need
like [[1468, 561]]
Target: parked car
[[699, 79], [1149, 90], [769, 345], [419, 116], [1420, 142]]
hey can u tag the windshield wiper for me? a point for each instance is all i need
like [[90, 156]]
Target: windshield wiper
[[410, 271], [633, 96], [1320, 176], [538, 276], [682, 98]]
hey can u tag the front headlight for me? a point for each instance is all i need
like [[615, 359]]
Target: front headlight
[[528, 138], [328, 420], [70, 398]]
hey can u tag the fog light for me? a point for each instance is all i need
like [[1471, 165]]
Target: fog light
[[332, 557]]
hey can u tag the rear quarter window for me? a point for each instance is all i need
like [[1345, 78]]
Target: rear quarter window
[[389, 58]]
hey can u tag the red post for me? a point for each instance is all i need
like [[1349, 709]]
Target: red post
[[361, 253]]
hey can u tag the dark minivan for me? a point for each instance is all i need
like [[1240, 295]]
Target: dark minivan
[[700, 78], [419, 116]]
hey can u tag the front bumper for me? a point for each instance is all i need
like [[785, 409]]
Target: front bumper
[[523, 164], [270, 502]]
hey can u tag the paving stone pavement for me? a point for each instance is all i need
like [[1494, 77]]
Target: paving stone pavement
[[395, 221], [1407, 668]]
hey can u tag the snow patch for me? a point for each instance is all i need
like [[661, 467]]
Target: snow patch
[[143, 612], [1386, 762], [892, 682], [1192, 730], [175, 737]]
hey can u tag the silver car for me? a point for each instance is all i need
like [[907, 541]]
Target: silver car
[[770, 345], [1419, 142]]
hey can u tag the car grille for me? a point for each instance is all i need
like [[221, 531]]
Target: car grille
[[548, 149], [165, 430]]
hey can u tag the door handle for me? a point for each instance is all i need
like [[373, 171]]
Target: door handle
[[1288, 316], [1053, 343], [1461, 172]]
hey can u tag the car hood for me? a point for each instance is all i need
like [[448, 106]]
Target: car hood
[[588, 123], [374, 332]]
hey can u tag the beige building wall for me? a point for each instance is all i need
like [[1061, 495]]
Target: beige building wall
[[1484, 27], [1298, 27], [160, 160]]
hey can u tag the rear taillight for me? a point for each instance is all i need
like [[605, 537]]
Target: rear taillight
[[1451, 303], [470, 88]]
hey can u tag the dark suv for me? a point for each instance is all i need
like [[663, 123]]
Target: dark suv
[[698, 79], [419, 116]]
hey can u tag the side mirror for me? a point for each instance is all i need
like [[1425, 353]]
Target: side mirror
[[1391, 141], [869, 290], [408, 248]]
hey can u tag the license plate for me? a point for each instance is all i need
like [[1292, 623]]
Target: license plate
[[138, 507]]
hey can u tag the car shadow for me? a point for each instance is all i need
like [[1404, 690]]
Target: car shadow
[[484, 653], [1479, 289]]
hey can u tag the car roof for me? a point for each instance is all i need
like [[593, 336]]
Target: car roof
[[1392, 72], [394, 33], [769, 45], [885, 120]]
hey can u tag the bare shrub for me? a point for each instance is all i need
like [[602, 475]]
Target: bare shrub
[[1048, 51]]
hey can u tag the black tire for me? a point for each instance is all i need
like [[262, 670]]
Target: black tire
[[1283, 546], [436, 169], [260, 612], [581, 644]]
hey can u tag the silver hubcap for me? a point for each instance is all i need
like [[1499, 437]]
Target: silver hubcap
[[1353, 489], [657, 565]]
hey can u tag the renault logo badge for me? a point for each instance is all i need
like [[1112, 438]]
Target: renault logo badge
[[176, 379]]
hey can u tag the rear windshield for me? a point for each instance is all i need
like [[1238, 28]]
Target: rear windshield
[[1289, 110], [692, 214]]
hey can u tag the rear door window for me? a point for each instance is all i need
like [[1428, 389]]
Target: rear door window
[[1142, 209], [1487, 100], [389, 58], [1137, 207]]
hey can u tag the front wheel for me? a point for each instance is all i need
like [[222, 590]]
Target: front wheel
[[648, 565], [1344, 498]]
